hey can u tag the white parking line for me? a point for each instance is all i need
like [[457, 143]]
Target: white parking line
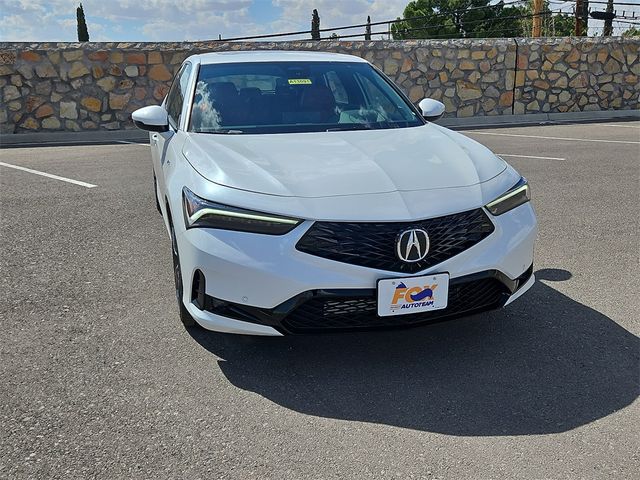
[[49, 175], [529, 156], [553, 138], [618, 125], [134, 143]]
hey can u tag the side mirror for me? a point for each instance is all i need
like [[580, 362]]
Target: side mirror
[[153, 118], [431, 109]]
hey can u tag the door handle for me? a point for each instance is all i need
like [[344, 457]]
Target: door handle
[[154, 139]]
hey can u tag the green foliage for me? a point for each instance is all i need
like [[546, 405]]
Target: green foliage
[[476, 19], [631, 32], [558, 25], [83, 33], [457, 19], [315, 25]]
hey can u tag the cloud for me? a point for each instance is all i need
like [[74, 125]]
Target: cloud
[[336, 13], [170, 20], [36, 20], [177, 20]]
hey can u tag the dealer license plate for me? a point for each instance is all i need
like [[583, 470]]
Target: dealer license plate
[[400, 296]]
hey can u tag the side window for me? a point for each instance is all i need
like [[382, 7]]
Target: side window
[[175, 98]]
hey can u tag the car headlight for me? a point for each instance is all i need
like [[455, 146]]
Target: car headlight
[[512, 198], [199, 212]]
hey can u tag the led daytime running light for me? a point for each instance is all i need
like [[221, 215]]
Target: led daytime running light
[[249, 216], [507, 196]]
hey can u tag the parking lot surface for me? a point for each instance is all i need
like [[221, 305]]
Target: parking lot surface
[[100, 380]]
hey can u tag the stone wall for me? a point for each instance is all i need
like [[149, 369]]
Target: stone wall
[[96, 86], [565, 75]]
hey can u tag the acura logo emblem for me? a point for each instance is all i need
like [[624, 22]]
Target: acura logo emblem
[[412, 245]]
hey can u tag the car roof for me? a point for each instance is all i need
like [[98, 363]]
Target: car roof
[[243, 56]]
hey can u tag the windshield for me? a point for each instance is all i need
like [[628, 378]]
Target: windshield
[[282, 97]]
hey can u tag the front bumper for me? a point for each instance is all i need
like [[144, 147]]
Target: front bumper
[[262, 285]]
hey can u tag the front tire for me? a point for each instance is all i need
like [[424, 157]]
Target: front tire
[[185, 316]]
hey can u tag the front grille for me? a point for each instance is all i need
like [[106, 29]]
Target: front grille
[[373, 245], [326, 313]]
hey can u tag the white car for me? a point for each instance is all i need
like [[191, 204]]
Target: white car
[[304, 193]]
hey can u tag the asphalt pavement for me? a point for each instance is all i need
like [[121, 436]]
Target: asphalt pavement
[[99, 379]]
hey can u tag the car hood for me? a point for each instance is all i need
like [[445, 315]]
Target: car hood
[[327, 164]]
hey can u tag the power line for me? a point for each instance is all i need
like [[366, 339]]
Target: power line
[[637, 22], [492, 20], [599, 2], [384, 22], [422, 17], [405, 30]]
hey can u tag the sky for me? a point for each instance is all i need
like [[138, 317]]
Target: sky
[[171, 20]]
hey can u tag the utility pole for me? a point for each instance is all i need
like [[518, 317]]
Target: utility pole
[[608, 23], [577, 31], [537, 19]]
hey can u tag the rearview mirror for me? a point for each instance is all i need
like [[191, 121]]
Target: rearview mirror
[[431, 109], [153, 118]]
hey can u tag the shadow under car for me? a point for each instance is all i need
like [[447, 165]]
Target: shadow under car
[[545, 364]]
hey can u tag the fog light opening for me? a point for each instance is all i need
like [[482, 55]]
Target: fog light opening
[[198, 290]]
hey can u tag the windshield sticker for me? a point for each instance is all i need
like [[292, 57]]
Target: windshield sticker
[[299, 81]]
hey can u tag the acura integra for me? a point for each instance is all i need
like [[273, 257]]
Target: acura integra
[[303, 192]]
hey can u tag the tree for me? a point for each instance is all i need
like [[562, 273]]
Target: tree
[[83, 33], [315, 25], [553, 25], [457, 19], [476, 19], [559, 25], [367, 30]]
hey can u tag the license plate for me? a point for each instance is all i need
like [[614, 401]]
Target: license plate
[[401, 296]]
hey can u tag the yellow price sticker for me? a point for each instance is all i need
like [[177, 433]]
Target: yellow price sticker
[[299, 81]]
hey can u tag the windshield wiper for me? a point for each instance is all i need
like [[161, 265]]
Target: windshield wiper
[[223, 132], [354, 126]]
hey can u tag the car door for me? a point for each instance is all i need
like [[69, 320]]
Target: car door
[[161, 152]]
